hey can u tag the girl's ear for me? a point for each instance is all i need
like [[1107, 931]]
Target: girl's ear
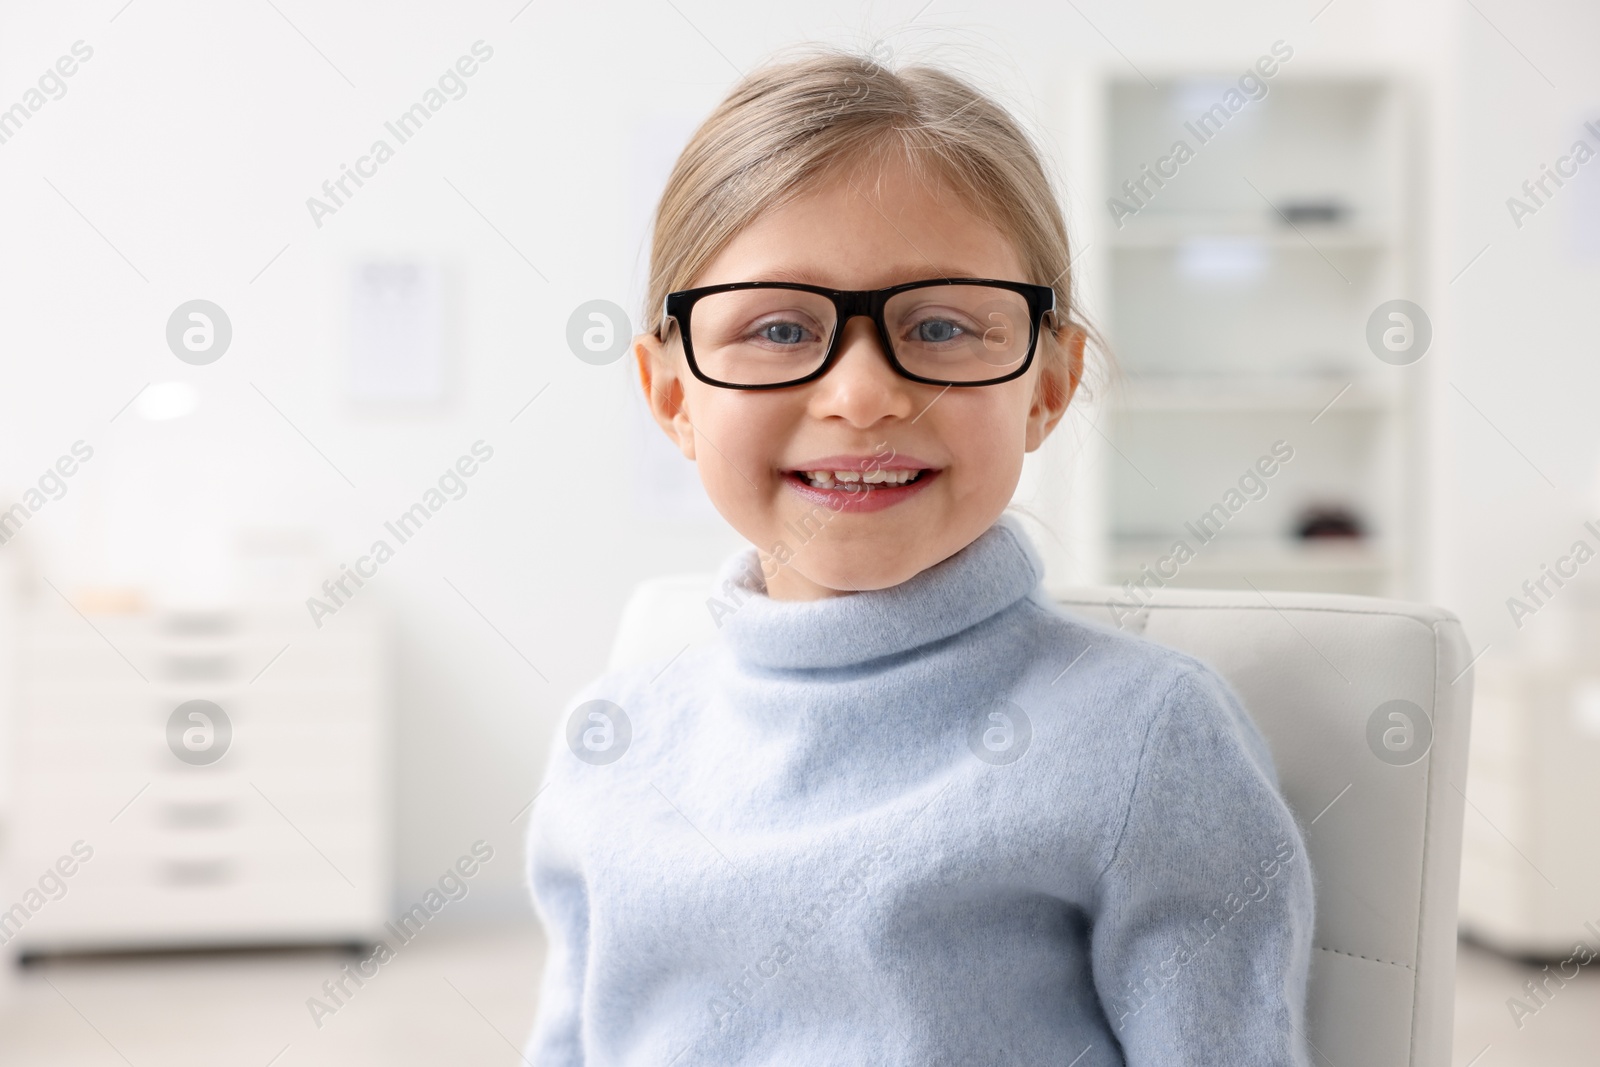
[[1074, 338], [1058, 380], [663, 390]]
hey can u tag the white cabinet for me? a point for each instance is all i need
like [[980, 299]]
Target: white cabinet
[[284, 838], [1530, 874]]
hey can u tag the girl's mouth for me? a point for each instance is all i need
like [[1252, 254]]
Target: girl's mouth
[[860, 490], [865, 481]]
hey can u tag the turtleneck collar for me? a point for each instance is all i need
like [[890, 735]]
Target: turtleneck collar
[[993, 572]]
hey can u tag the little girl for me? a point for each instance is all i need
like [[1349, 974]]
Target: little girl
[[903, 810]]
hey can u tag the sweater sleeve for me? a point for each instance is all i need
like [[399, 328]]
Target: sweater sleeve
[[1201, 937], [560, 900]]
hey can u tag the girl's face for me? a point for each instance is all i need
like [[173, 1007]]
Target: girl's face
[[860, 232]]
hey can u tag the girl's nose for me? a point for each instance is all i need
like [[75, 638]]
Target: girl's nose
[[862, 385]]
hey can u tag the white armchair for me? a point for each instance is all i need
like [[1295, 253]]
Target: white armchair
[[1334, 683]]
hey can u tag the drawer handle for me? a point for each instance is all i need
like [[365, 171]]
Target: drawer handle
[[212, 668], [188, 873], [198, 816], [199, 623]]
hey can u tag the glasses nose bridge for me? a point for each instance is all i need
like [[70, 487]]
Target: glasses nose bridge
[[853, 303], [856, 303]]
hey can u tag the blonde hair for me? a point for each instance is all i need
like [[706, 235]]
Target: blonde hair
[[792, 124]]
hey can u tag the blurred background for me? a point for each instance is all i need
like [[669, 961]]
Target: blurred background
[[324, 476]]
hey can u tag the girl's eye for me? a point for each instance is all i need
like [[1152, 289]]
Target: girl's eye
[[782, 333], [936, 331]]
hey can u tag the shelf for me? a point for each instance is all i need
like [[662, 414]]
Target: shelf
[[1226, 393], [1311, 237], [1255, 556]]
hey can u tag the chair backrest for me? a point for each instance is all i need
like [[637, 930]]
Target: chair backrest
[[1366, 705]]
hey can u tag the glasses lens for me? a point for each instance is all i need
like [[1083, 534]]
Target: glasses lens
[[761, 336], [959, 333]]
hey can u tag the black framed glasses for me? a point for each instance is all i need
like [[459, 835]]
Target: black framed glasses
[[944, 331]]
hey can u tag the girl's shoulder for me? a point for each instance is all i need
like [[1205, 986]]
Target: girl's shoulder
[[1143, 685], [648, 687], [1101, 654]]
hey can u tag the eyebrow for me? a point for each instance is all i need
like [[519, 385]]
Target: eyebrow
[[910, 273]]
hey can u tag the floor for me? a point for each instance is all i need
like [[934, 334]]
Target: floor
[[1564, 1032], [466, 996], [462, 996]]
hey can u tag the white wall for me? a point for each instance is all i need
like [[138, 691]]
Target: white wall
[[1524, 314], [193, 137]]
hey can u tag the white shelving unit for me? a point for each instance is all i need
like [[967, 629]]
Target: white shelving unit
[[1235, 298]]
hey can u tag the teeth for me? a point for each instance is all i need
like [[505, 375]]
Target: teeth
[[830, 479]]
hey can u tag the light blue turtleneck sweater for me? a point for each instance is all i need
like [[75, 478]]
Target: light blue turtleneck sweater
[[938, 823]]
